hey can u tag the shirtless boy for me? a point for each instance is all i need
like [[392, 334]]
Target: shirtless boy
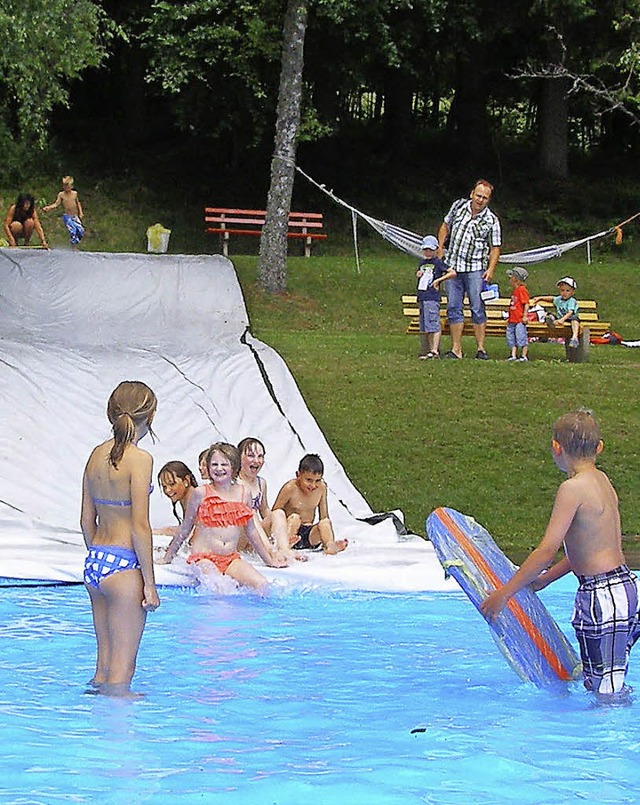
[[300, 498], [585, 520], [72, 207]]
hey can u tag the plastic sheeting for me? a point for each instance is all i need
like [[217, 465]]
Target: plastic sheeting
[[73, 325]]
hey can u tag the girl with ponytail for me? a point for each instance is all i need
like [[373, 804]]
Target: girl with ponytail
[[118, 572]]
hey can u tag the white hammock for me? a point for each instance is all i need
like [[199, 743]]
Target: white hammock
[[410, 242]]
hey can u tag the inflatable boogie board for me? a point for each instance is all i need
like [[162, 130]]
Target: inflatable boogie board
[[527, 635]]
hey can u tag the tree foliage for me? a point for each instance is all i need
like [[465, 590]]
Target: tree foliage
[[476, 73], [218, 60], [43, 47]]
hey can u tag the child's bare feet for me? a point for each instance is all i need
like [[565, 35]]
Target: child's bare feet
[[298, 556], [337, 546], [278, 559]]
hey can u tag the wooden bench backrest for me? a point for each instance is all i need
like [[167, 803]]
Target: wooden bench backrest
[[222, 215], [502, 303], [232, 221], [497, 323]]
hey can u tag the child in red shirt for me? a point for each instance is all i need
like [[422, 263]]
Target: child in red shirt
[[517, 337]]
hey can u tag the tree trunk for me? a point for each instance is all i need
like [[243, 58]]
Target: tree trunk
[[554, 144], [272, 266]]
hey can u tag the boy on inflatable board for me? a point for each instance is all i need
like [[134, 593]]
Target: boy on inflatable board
[[585, 520]]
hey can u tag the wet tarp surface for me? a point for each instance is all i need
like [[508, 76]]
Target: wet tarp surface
[[73, 325]]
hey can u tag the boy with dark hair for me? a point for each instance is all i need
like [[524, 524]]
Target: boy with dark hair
[[300, 498], [585, 520]]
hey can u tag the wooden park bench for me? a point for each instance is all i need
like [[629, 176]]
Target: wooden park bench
[[590, 323], [228, 222]]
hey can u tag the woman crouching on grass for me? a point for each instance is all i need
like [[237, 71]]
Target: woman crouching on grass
[[221, 512]]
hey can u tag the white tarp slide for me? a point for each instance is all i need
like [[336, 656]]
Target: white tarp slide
[[73, 325]]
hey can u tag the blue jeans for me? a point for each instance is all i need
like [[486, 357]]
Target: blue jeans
[[429, 316], [516, 334], [470, 283]]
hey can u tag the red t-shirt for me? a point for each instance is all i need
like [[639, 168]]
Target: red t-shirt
[[519, 298]]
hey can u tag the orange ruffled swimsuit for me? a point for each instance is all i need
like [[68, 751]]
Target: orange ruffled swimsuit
[[221, 561], [214, 512]]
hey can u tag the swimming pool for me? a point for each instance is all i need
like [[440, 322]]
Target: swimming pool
[[308, 697]]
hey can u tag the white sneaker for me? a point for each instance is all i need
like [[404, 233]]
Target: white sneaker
[[523, 358], [512, 358]]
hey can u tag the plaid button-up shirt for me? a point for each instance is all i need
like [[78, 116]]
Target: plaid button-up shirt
[[471, 239]]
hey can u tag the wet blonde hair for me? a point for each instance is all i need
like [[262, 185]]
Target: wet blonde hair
[[228, 451], [131, 403], [578, 434], [67, 180]]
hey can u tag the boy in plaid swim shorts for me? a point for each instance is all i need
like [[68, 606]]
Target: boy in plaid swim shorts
[[586, 521]]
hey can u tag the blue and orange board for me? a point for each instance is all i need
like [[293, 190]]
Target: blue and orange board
[[531, 641]]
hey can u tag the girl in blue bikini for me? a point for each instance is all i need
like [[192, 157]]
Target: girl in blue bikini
[[118, 571]]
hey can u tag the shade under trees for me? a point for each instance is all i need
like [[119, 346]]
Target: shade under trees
[[549, 76]]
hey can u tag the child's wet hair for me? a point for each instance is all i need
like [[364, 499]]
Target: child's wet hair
[[578, 434], [230, 451], [311, 463], [174, 470], [250, 441]]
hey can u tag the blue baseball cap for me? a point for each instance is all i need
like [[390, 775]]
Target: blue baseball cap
[[429, 242]]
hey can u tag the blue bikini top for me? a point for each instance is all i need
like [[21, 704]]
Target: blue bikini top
[[104, 502]]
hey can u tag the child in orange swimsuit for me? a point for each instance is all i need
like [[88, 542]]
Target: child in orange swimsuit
[[221, 511]]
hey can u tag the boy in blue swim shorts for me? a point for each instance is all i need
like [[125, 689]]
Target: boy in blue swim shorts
[[585, 521], [72, 207]]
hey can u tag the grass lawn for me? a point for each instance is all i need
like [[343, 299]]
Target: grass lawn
[[412, 434], [472, 435]]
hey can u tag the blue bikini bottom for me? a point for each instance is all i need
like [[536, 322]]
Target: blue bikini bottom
[[104, 560]]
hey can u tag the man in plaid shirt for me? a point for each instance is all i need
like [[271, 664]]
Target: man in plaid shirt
[[475, 238]]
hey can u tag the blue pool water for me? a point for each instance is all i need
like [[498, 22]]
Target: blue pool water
[[309, 697]]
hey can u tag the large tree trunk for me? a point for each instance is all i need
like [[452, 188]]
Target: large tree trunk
[[553, 158], [272, 267]]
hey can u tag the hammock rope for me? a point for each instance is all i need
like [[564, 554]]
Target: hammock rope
[[410, 242]]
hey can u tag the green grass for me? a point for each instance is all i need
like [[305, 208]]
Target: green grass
[[471, 435], [413, 435], [117, 214]]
